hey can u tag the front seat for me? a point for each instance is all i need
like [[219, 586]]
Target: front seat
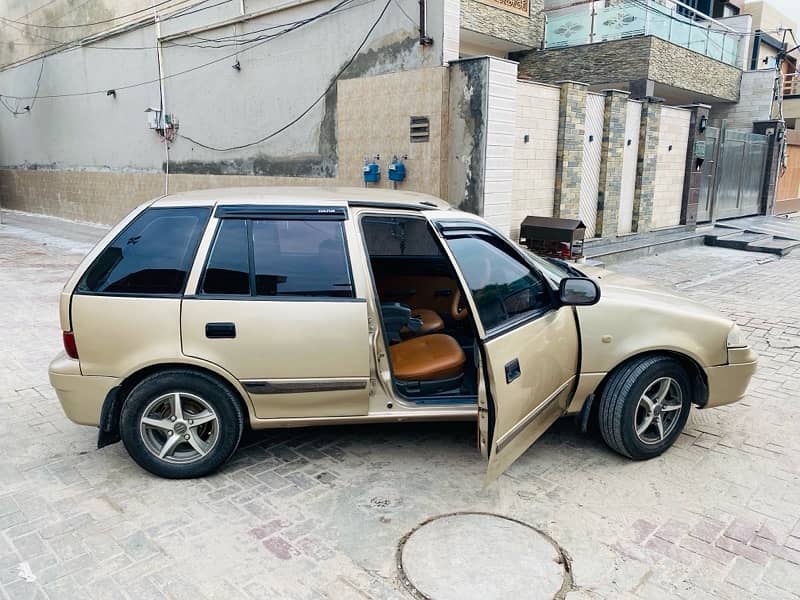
[[430, 321], [428, 364]]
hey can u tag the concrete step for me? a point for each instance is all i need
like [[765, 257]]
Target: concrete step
[[608, 252], [750, 241], [779, 246], [737, 241]]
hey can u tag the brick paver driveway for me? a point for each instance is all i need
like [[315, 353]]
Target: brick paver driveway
[[318, 513]]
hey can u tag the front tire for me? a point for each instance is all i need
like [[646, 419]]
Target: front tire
[[181, 424], [644, 406]]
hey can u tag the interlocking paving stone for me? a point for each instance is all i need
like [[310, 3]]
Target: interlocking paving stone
[[317, 513]]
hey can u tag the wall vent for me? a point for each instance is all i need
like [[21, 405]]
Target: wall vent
[[420, 129]]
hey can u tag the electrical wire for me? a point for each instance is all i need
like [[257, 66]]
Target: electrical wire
[[78, 42], [238, 39], [191, 69], [310, 107], [235, 40], [38, 82], [130, 14], [16, 111], [403, 10], [30, 12]]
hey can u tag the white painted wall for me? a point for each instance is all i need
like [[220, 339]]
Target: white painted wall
[[534, 175], [451, 38], [633, 119], [215, 104], [670, 166], [592, 150], [500, 130]]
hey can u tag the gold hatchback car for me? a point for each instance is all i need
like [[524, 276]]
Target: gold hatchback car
[[288, 307]]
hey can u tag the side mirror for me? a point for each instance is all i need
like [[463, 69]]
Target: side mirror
[[578, 291]]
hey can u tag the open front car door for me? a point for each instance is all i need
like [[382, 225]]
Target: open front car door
[[529, 347]]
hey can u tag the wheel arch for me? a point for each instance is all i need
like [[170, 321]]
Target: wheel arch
[[112, 405], [589, 410]]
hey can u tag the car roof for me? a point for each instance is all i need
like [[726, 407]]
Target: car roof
[[303, 195]]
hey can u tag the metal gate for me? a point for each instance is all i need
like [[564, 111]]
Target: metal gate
[[706, 194], [733, 174]]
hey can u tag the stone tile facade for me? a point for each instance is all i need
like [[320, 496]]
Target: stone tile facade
[[373, 117], [569, 154], [755, 101], [505, 25], [646, 167], [670, 170], [611, 158], [631, 60]]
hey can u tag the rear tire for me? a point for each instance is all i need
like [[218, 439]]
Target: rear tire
[[644, 406], [181, 424]]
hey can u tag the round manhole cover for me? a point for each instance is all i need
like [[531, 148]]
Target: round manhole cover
[[477, 555]]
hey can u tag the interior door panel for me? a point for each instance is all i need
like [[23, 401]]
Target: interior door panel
[[531, 374]]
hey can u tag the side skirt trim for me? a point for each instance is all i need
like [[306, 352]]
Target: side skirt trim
[[302, 386]]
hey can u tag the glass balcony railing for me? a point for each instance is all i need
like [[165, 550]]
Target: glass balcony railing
[[592, 22]]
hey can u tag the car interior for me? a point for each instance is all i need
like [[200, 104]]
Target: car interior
[[428, 329]]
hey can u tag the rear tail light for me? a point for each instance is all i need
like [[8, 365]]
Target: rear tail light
[[69, 344]]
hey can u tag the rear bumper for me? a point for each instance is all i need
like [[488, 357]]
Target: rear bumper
[[81, 396], [728, 383]]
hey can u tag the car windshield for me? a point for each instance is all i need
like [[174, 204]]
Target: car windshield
[[554, 268]]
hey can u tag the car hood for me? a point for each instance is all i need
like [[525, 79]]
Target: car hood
[[618, 284], [638, 316]]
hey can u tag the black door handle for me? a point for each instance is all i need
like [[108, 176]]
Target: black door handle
[[220, 330], [512, 370]]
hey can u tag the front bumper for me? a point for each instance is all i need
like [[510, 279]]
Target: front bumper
[[81, 396], [728, 383]]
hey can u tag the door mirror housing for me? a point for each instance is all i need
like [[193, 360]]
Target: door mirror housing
[[578, 291]]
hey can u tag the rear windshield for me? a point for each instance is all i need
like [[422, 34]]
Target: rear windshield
[[151, 256]]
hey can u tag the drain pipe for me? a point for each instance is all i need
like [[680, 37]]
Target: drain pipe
[[424, 38]]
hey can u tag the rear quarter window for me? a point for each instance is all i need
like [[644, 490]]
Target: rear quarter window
[[151, 256]]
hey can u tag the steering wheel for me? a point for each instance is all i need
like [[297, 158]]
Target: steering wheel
[[457, 311]]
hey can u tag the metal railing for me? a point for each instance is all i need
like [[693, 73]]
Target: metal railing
[[593, 22], [791, 85]]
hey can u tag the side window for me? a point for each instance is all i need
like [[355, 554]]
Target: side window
[[504, 289], [399, 236], [289, 258], [300, 258], [152, 255], [228, 270]]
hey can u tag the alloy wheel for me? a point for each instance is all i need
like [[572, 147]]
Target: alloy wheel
[[658, 410], [179, 428]]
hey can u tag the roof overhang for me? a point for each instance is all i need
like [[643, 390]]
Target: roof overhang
[[490, 42]]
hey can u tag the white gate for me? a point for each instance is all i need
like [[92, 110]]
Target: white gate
[[633, 119], [592, 146]]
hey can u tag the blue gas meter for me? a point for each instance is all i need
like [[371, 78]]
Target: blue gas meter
[[372, 172], [397, 171]]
